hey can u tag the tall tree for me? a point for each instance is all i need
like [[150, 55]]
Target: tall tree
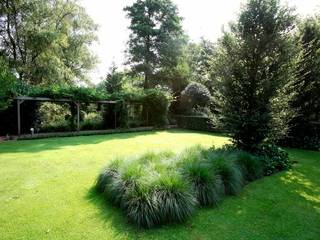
[[256, 67], [114, 80], [46, 41], [199, 57], [307, 100], [156, 37]]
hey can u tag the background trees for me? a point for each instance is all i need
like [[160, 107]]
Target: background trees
[[255, 68], [156, 37], [47, 42], [305, 126]]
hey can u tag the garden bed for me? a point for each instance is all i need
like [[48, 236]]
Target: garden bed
[[162, 188]]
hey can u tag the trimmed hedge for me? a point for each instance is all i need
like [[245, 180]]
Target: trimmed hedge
[[199, 123], [162, 188]]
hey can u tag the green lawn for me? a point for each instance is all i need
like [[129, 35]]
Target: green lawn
[[45, 193]]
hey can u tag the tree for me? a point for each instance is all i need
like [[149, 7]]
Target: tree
[[7, 84], [199, 56], [307, 100], [47, 42], [114, 80], [156, 37], [255, 69]]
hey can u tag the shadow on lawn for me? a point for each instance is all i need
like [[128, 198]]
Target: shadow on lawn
[[115, 216], [38, 145], [288, 200]]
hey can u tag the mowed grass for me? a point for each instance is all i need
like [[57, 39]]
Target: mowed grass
[[46, 193]]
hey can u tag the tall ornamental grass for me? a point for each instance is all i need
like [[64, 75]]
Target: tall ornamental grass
[[161, 188]]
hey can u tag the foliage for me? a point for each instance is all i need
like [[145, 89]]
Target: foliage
[[156, 36], [207, 184], [255, 69], [193, 96], [161, 188], [275, 158], [47, 42], [200, 123], [114, 81], [251, 166], [304, 132], [156, 103], [7, 82], [229, 172], [199, 57], [92, 121]]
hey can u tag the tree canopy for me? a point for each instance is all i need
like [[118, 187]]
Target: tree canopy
[[255, 68], [156, 37], [47, 42]]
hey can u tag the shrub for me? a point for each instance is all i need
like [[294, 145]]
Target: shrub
[[92, 121], [275, 158], [156, 103], [198, 123], [194, 95]]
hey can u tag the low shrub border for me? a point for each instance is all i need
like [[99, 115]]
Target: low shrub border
[[161, 188]]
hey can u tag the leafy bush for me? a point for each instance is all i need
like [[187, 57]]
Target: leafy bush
[[92, 121], [161, 188], [59, 126], [194, 95], [156, 103], [275, 158]]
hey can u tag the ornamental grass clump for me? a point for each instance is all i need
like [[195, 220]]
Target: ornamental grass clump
[[161, 188], [225, 166], [206, 183]]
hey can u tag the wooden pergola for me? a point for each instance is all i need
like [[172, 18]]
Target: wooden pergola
[[22, 99]]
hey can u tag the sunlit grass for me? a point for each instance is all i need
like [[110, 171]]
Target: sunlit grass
[[45, 193]]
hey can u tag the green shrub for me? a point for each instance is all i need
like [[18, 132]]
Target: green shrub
[[92, 121], [194, 95], [156, 103], [275, 158], [199, 123]]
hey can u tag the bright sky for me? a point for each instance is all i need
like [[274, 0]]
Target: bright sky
[[202, 18]]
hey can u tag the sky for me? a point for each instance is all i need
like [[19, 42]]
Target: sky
[[201, 18]]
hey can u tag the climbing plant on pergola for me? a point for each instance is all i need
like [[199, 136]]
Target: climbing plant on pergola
[[22, 99]]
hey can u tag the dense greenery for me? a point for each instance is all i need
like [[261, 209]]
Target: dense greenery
[[152, 189], [256, 67], [7, 82], [47, 42], [305, 130]]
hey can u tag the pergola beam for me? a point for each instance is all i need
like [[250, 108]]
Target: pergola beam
[[21, 99]]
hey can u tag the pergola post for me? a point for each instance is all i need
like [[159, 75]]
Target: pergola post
[[78, 116], [19, 115]]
